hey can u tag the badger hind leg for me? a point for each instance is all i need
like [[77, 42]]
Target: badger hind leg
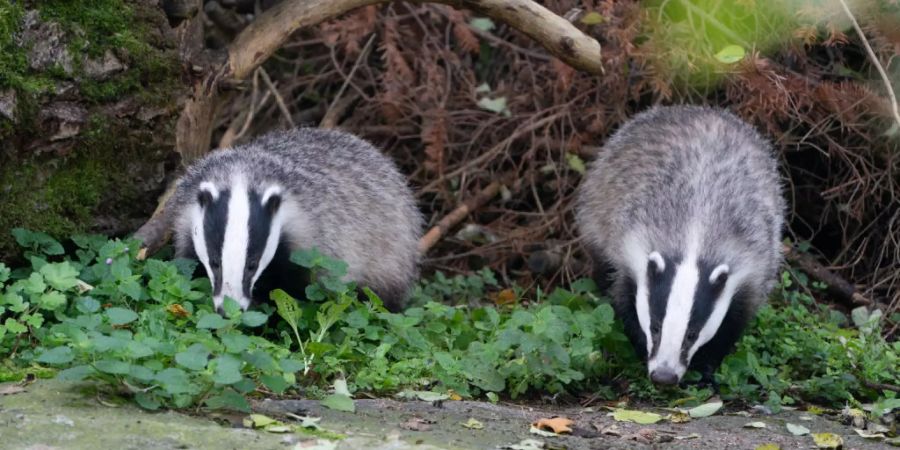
[[602, 272]]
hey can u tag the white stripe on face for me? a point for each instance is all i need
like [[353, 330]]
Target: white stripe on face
[[234, 249], [678, 315], [718, 313], [198, 237], [637, 262]]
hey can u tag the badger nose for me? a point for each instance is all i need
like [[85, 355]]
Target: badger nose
[[664, 375]]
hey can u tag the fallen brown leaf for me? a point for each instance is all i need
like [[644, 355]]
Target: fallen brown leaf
[[11, 388], [177, 310], [417, 424], [556, 424], [505, 297]]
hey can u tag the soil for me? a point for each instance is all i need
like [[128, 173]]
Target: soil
[[50, 414]]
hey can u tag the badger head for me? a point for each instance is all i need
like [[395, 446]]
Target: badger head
[[681, 303], [235, 230]]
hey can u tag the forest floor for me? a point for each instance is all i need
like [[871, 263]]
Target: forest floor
[[50, 414]]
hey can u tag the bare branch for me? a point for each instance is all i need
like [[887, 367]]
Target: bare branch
[[457, 215]]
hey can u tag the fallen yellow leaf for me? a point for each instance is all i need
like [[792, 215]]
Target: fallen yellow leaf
[[679, 417], [555, 424], [769, 446], [643, 418], [828, 440], [473, 424]]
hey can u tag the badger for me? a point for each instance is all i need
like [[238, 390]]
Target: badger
[[241, 211], [682, 216]]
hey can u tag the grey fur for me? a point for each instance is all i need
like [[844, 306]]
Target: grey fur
[[671, 170], [359, 206]]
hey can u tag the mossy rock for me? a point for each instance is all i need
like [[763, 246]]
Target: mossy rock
[[88, 95]]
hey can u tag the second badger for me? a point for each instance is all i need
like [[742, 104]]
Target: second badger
[[242, 211], [685, 206]]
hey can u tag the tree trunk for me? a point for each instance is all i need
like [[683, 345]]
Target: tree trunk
[[88, 107]]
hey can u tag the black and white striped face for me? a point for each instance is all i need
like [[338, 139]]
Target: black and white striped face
[[235, 232], [680, 304]]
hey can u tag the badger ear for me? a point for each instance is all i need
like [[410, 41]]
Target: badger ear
[[719, 275], [655, 263], [271, 199], [207, 194]]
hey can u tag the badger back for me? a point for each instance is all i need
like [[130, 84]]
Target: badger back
[[685, 204], [238, 209]]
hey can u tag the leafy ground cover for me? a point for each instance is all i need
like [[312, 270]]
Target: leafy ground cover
[[147, 330]]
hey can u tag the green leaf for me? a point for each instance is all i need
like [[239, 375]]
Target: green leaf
[[87, 305], [228, 399], [276, 383], [228, 370], [482, 23], [593, 18], [121, 316], [640, 417], [212, 321], [131, 288], [76, 373], [174, 381], [38, 241], [147, 400], [4, 273], [52, 300], [194, 358], [254, 318], [797, 430], [60, 276], [339, 402], [34, 285], [705, 410], [14, 327], [231, 308], [575, 163], [112, 366], [235, 342], [57, 355], [730, 54]]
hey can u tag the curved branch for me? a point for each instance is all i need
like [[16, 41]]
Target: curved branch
[[272, 28], [259, 40]]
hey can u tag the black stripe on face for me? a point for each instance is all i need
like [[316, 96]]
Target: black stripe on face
[[660, 286], [215, 218], [705, 298], [260, 225]]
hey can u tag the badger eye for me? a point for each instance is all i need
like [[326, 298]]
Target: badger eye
[[654, 328], [214, 264], [252, 265], [692, 336]]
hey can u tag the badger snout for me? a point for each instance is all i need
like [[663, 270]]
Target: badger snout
[[664, 376]]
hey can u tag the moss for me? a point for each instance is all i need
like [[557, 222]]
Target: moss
[[125, 28], [67, 196]]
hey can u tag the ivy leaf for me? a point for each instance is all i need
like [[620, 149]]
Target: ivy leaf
[[254, 318], [235, 342], [174, 381], [131, 288], [212, 321], [112, 366], [228, 370], [34, 285], [730, 54], [120, 316], [87, 305], [4, 273], [194, 358], [147, 400], [14, 327], [57, 355], [276, 383], [228, 399]]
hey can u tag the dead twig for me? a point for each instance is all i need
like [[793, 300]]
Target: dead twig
[[838, 287], [457, 215]]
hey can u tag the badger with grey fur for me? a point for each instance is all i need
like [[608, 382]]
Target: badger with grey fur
[[682, 212], [242, 211]]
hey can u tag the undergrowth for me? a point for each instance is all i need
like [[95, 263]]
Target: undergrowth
[[147, 330]]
